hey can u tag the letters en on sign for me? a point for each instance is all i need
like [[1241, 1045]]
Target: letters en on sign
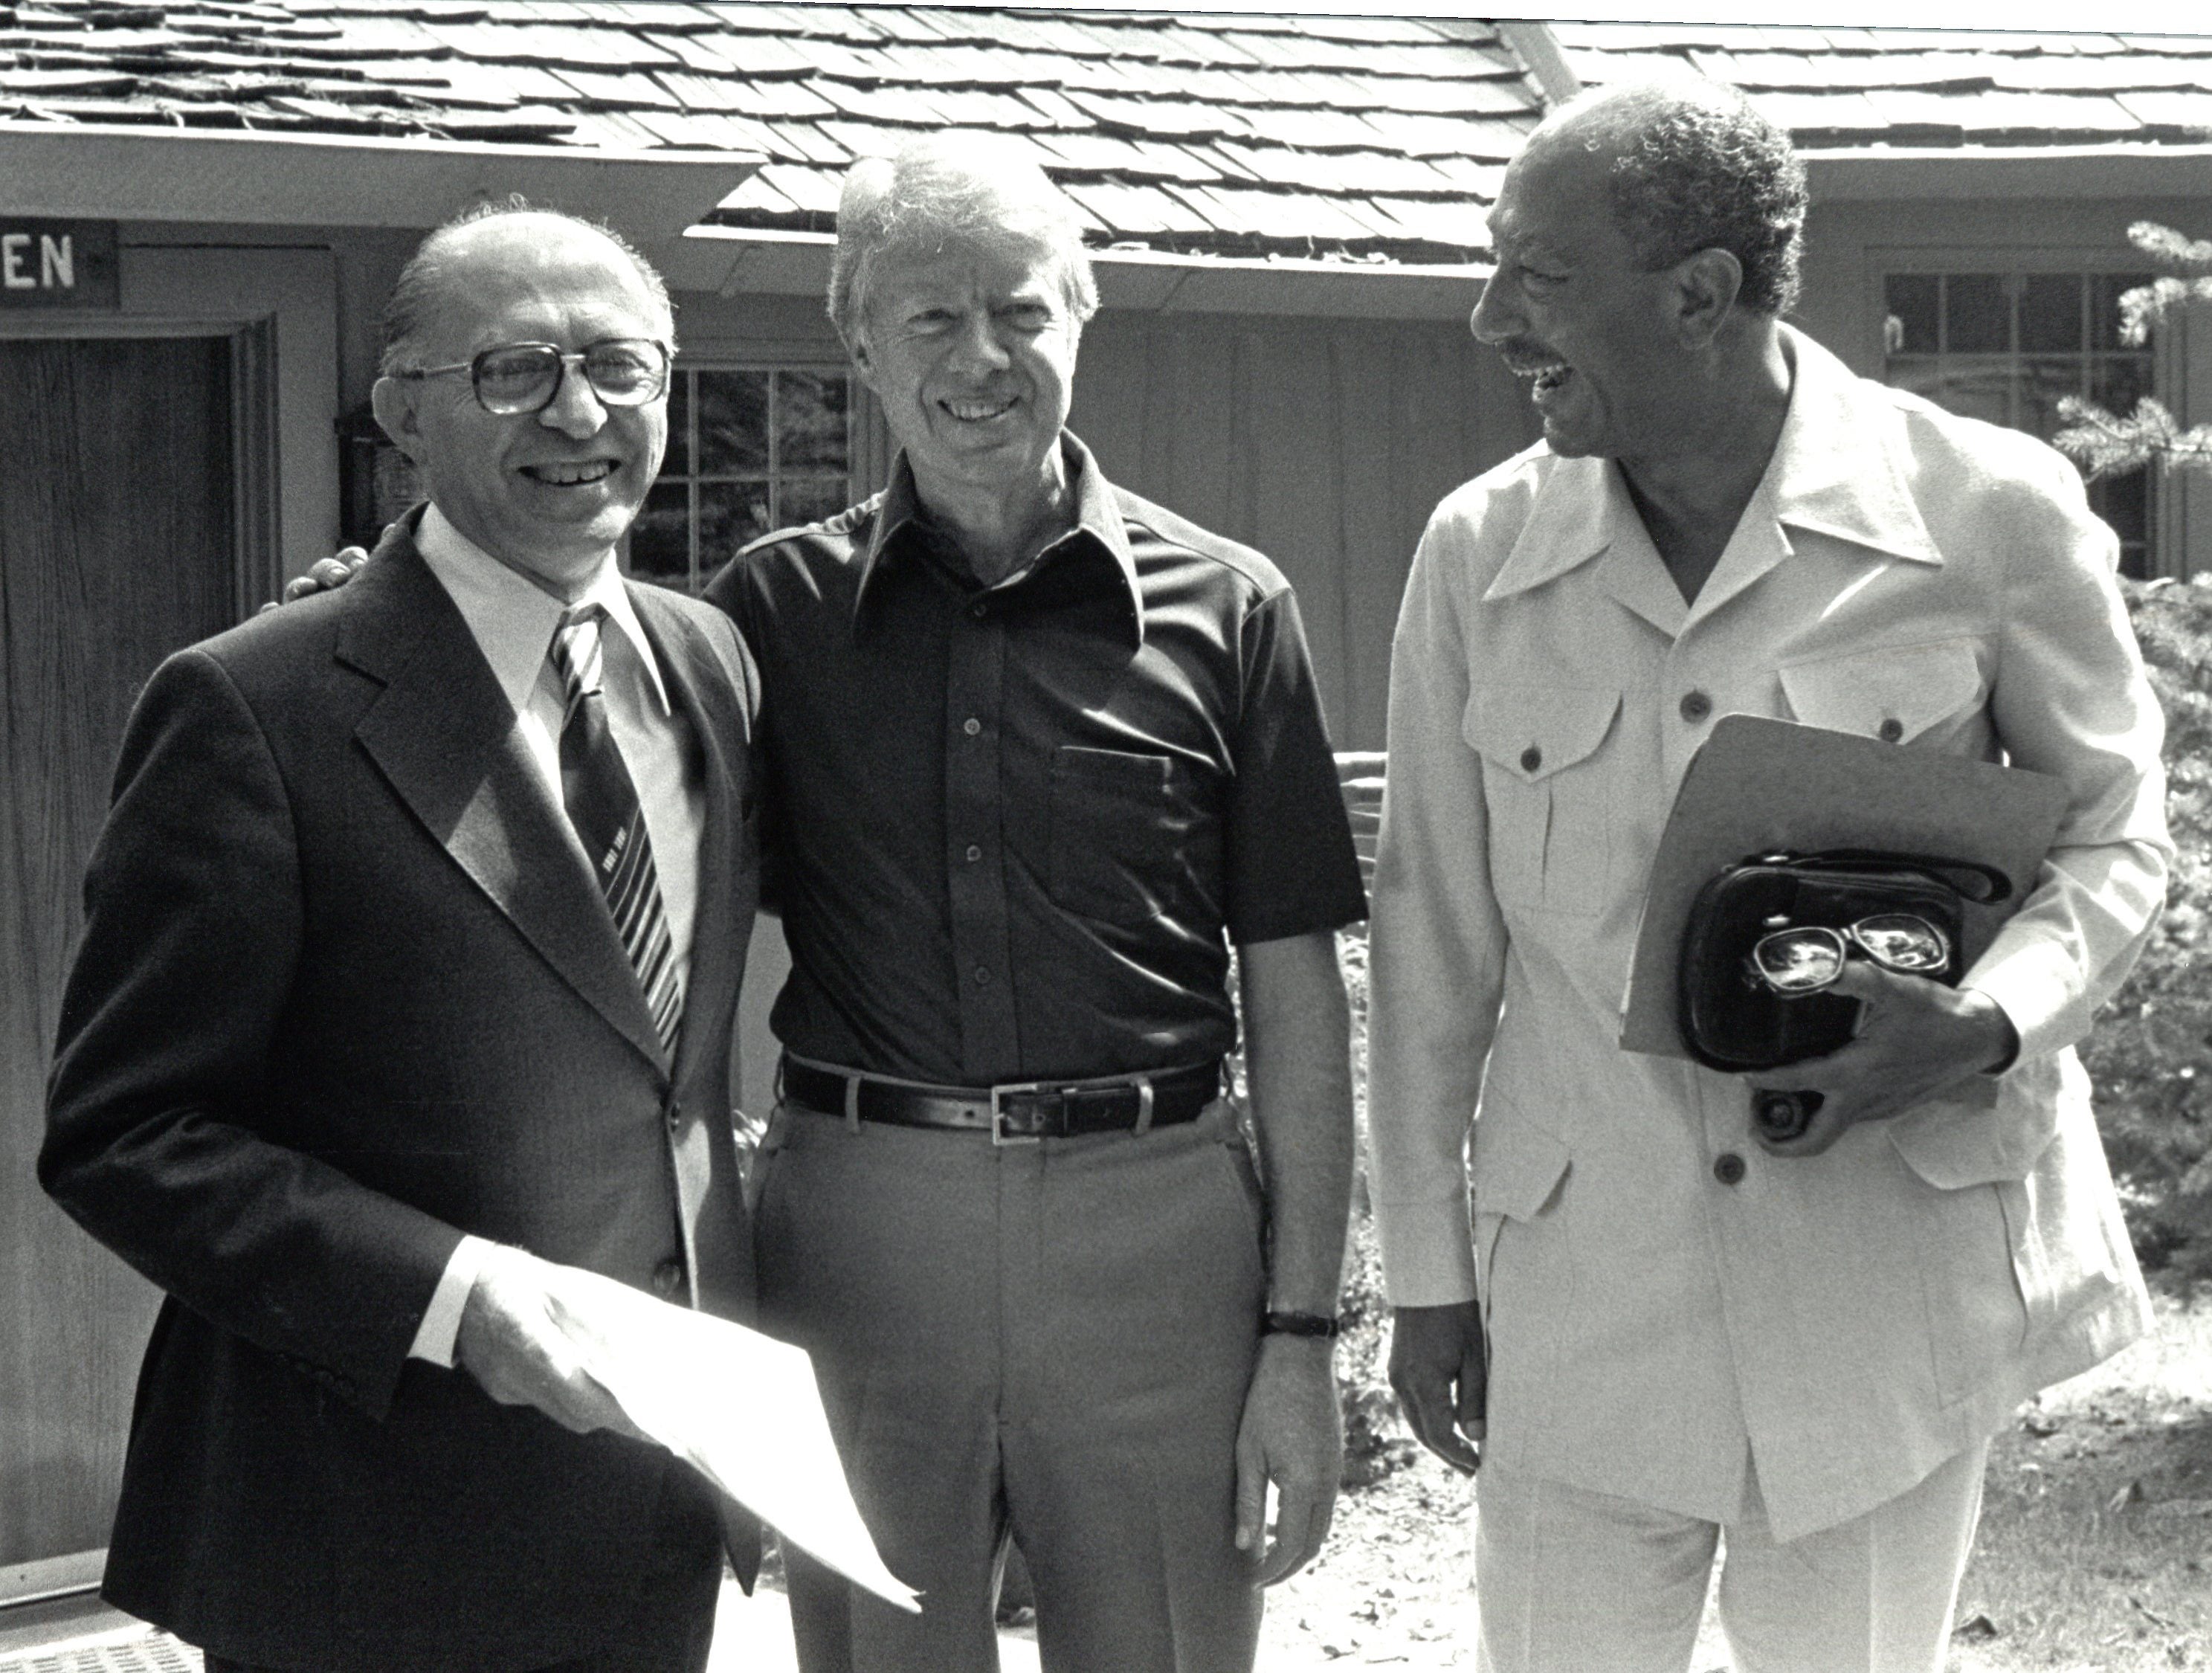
[[58, 263]]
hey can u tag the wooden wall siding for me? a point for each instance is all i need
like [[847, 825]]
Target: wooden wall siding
[[1323, 443], [115, 548]]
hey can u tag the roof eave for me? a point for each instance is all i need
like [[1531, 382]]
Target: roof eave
[[736, 259], [1858, 174], [124, 173]]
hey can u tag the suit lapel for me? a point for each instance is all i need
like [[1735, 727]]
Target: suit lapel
[[444, 736], [701, 694]]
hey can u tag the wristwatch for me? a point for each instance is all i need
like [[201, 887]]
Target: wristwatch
[[1300, 1324]]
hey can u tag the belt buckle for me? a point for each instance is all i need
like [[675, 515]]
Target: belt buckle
[[1000, 1138]]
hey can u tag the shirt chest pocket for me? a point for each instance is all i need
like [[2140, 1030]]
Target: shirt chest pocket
[[1130, 839], [1543, 776], [1896, 694]]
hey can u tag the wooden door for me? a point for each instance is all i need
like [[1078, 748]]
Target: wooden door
[[116, 547]]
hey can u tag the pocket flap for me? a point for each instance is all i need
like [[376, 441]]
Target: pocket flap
[[1995, 1128], [1517, 1167], [1533, 730], [1895, 693]]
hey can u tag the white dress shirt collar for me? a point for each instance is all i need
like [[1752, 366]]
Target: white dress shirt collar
[[512, 617]]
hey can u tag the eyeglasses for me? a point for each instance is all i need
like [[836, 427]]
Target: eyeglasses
[[526, 377], [1804, 958]]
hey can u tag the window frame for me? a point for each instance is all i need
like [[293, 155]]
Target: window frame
[[2022, 262], [700, 571]]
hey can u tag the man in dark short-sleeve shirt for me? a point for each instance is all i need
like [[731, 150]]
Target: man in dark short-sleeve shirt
[[1037, 754]]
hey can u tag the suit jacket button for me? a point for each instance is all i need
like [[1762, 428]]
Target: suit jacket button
[[1891, 730], [667, 1279], [675, 1116], [1728, 1168]]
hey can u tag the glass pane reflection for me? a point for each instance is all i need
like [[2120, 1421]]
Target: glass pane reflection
[[1977, 313], [731, 513], [810, 422], [732, 423], [660, 538]]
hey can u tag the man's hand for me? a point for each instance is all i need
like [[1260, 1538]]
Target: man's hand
[[522, 1336], [1441, 1375], [1917, 1038], [325, 574], [1293, 1435]]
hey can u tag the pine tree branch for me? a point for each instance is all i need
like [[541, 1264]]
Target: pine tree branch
[[2164, 244]]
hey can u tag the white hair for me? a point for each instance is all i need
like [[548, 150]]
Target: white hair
[[945, 188]]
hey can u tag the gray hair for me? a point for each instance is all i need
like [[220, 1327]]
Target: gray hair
[[1700, 168], [945, 187], [423, 282]]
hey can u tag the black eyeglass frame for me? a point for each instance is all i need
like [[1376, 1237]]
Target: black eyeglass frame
[[1842, 942], [579, 358]]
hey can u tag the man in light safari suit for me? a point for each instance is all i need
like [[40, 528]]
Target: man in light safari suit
[[1683, 1328]]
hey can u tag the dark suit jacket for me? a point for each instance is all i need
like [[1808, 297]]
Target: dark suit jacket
[[345, 992]]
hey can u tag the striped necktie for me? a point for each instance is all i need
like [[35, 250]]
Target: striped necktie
[[603, 806]]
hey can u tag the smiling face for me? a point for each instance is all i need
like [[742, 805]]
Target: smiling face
[[546, 493], [970, 348], [1572, 311]]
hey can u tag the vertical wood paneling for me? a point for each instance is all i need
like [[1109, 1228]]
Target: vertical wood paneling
[[1325, 443], [116, 533]]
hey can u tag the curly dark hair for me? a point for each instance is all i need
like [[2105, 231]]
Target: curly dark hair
[[1703, 170]]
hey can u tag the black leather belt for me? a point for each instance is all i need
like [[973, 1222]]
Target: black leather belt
[[1017, 1111]]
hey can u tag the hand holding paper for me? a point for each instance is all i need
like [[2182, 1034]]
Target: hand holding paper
[[740, 1407]]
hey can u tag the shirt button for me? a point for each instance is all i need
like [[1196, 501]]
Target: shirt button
[[1531, 758], [971, 726], [1728, 1168], [667, 1278], [1696, 705], [974, 854], [1891, 729]]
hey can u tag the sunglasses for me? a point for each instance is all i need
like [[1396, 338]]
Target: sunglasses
[[1804, 958], [526, 377]]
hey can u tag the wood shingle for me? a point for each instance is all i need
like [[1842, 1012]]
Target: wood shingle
[[1354, 137]]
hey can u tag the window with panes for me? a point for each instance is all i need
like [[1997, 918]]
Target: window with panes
[[2006, 346], [751, 450]]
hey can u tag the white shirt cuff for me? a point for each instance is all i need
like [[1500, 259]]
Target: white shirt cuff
[[441, 1319]]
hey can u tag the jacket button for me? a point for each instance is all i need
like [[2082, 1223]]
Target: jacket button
[[1891, 730], [675, 1117], [1728, 1168], [1531, 758], [1696, 705], [667, 1279]]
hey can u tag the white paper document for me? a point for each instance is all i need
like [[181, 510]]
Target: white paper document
[[740, 1407]]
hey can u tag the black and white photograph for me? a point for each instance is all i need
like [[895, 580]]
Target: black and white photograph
[[956, 838]]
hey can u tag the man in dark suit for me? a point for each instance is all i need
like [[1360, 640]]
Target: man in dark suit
[[411, 949]]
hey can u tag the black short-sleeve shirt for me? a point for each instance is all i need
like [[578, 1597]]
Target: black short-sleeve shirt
[[1012, 829]]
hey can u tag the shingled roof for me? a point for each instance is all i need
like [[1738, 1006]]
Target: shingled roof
[[1359, 138], [1361, 141], [1845, 90]]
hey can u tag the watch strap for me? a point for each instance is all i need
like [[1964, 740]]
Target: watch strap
[[1299, 1324]]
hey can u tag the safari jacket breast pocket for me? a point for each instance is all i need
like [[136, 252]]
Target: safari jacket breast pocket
[[1896, 693], [1550, 842], [1130, 839]]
